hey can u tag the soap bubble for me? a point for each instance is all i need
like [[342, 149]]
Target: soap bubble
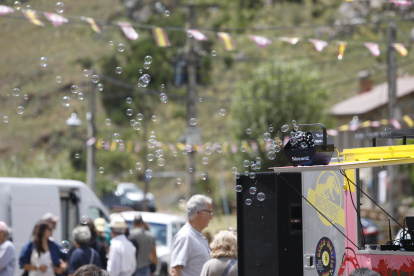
[[248, 201], [237, 175], [137, 126], [261, 196], [181, 204], [121, 142], [84, 220], [129, 112], [258, 165], [20, 110], [131, 171], [295, 127], [200, 100], [299, 137], [208, 150], [154, 118], [203, 176], [193, 121], [116, 137], [167, 13], [219, 149], [252, 175], [59, 7], [280, 142], [118, 70], [150, 157], [190, 170], [111, 43], [77, 155], [16, 92], [140, 71], [103, 143], [74, 89], [146, 78], [266, 136], [204, 160], [234, 170], [179, 181], [243, 149], [148, 59], [162, 85], [146, 66], [271, 155], [175, 153], [17, 5], [149, 173], [28, 7], [108, 122], [95, 78], [285, 128], [43, 61], [121, 47], [129, 100], [293, 122], [246, 173], [239, 188], [64, 246], [58, 79], [271, 129], [293, 141], [277, 148], [100, 87], [66, 101], [138, 166], [222, 112], [140, 116], [252, 190], [81, 96], [26, 97], [161, 162], [249, 131], [5, 119], [163, 98], [253, 166], [189, 34], [245, 163], [101, 170], [214, 53], [258, 159], [86, 72]]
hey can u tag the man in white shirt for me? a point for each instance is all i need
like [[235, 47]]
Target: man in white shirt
[[190, 247], [121, 261]]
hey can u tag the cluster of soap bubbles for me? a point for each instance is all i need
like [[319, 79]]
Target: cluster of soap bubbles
[[144, 80], [147, 62], [159, 153], [254, 165]]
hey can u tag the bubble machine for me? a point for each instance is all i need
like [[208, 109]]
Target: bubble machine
[[309, 148]]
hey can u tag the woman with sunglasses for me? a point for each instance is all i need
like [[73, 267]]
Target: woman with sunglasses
[[40, 257]]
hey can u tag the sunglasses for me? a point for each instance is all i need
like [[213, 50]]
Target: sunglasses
[[211, 212]]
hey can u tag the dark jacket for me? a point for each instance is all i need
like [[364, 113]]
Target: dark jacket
[[55, 253], [99, 247]]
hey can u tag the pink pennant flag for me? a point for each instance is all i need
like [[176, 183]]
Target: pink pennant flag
[[332, 132], [319, 44], [373, 48], [121, 146], [90, 141], [291, 40], [254, 145], [394, 122], [137, 147], [107, 145], [56, 19], [197, 34], [171, 146], [234, 148], [129, 32], [93, 24], [375, 123], [267, 145], [5, 10], [260, 40], [33, 17], [401, 2]]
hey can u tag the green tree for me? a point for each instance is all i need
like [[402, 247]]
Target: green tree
[[276, 94]]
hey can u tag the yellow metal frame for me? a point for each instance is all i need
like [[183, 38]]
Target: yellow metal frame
[[379, 153]]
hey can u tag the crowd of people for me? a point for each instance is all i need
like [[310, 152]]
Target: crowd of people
[[127, 252]]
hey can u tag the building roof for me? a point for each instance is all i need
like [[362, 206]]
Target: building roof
[[377, 97]]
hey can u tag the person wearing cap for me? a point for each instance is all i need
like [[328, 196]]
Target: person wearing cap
[[51, 218], [190, 248], [121, 261], [103, 237], [147, 249], [7, 252], [83, 254]]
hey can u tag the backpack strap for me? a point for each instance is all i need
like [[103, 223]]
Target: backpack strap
[[92, 255], [228, 268]]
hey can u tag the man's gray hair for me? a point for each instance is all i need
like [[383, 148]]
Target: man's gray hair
[[82, 235], [195, 204], [363, 272]]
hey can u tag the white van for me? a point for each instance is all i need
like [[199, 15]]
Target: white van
[[163, 227], [23, 201]]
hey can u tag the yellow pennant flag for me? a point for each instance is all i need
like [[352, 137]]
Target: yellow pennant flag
[[33, 18], [161, 38], [343, 128], [341, 49], [227, 41], [93, 24], [400, 48], [408, 120]]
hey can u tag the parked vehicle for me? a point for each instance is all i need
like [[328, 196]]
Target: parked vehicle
[[164, 227], [129, 195], [370, 230], [23, 201]]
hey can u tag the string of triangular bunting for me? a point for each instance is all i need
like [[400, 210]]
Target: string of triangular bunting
[[161, 38]]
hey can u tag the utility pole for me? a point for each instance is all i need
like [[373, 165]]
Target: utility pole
[[144, 140], [392, 113], [191, 104], [90, 150]]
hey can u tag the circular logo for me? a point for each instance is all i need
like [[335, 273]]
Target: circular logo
[[325, 257]]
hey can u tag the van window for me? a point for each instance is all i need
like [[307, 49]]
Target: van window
[[174, 229], [95, 212], [70, 214]]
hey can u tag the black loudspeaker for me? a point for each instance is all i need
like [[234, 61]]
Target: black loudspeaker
[[269, 231]]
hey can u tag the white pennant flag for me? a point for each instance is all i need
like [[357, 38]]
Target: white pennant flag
[[319, 44], [197, 34], [5, 10], [373, 48], [260, 40], [129, 32], [56, 19]]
